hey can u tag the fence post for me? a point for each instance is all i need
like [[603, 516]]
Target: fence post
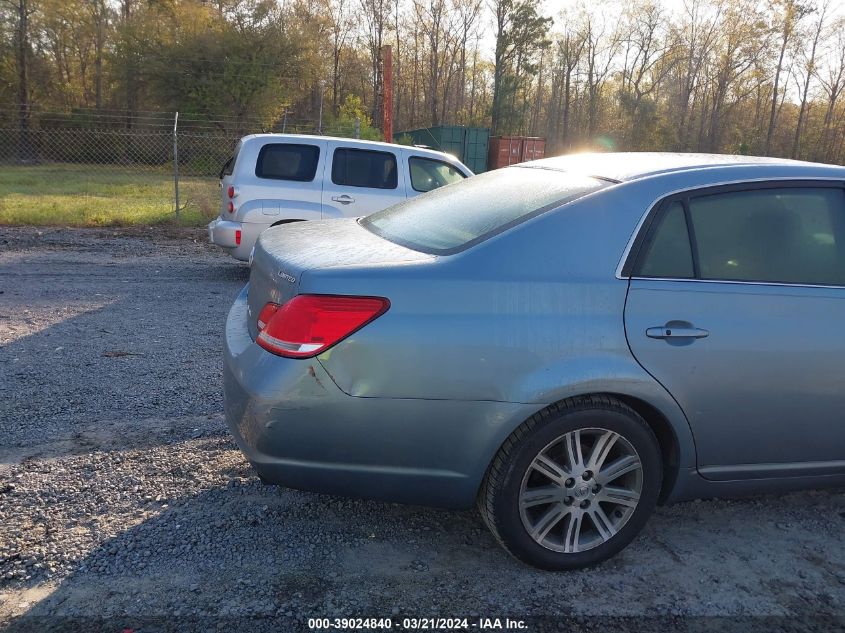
[[176, 162], [285, 121], [357, 128]]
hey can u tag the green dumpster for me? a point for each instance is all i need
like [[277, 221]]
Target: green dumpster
[[469, 144]]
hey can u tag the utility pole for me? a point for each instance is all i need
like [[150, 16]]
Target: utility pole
[[320, 121], [387, 91], [23, 86]]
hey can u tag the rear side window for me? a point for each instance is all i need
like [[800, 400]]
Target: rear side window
[[364, 168], [779, 235], [668, 252], [229, 166], [428, 174], [287, 161], [454, 218]]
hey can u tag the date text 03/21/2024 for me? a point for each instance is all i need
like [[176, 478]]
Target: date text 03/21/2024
[[416, 624]]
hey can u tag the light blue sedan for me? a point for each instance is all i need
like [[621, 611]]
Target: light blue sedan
[[566, 343]]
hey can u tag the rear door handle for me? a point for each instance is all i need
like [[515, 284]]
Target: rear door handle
[[344, 199], [669, 331]]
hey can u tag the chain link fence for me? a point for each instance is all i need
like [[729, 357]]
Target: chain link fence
[[113, 167]]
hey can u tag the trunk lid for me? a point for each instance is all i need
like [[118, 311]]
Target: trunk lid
[[284, 253]]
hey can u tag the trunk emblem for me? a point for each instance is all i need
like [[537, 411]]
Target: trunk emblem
[[287, 277]]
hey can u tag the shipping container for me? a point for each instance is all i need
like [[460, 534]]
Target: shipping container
[[504, 151], [468, 144], [533, 148], [510, 150]]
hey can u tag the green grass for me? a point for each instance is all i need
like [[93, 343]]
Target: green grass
[[96, 195]]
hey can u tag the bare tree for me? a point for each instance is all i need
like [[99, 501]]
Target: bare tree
[[99, 14], [520, 34], [808, 68], [741, 43], [568, 50], [22, 11], [694, 38], [469, 12], [789, 14], [437, 24], [832, 83], [646, 64], [603, 40], [374, 13]]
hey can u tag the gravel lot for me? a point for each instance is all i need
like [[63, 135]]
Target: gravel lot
[[122, 496]]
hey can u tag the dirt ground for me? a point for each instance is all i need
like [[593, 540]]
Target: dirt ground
[[124, 504]]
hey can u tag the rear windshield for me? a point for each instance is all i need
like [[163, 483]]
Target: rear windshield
[[457, 216]]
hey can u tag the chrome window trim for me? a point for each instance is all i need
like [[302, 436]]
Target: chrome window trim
[[739, 282], [728, 183]]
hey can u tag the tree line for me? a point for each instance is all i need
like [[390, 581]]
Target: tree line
[[737, 76]]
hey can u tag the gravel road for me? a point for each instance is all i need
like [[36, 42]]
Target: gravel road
[[123, 498]]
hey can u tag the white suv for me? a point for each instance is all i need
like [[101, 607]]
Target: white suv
[[279, 178]]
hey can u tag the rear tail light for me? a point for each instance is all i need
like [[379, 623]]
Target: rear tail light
[[266, 312], [238, 237], [231, 191], [308, 325], [231, 207]]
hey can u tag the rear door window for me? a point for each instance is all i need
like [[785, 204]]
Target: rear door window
[[428, 173], [288, 161], [364, 168], [792, 235]]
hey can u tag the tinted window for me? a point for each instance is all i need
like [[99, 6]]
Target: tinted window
[[229, 166], [453, 218], [364, 168], [287, 161], [789, 235], [428, 174], [668, 252]]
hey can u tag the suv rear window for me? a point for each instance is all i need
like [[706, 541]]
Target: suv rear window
[[451, 219], [228, 167], [287, 161], [364, 168]]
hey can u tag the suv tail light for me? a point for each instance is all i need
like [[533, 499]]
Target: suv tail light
[[231, 191], [308, 325]]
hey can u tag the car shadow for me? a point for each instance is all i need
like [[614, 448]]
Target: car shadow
[[246, 555], [109, 353]]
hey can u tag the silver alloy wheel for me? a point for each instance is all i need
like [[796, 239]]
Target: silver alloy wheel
[[580, 490]]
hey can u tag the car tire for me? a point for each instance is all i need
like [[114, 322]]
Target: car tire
[[541, 483]]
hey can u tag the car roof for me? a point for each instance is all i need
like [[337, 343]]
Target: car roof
[[356, 142], [630, 166]]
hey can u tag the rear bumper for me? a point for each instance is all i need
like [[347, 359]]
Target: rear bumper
[[224, 233], [298, 429]]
